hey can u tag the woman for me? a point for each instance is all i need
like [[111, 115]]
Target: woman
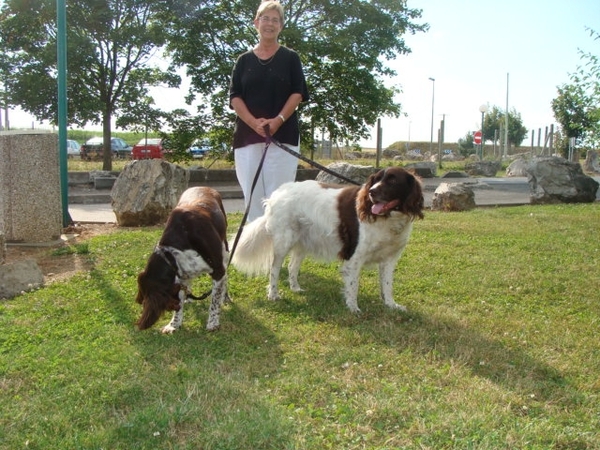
[[267, 85]]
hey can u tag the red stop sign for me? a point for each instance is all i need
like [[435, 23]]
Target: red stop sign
[[477, 137]]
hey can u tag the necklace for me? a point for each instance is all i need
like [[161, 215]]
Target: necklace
[[265, 62]]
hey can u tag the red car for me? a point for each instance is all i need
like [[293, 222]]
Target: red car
[[150, 148]]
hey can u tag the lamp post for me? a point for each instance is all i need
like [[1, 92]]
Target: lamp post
[[432, 103], [483, 109]]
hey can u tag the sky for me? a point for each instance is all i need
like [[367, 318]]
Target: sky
[[475, 50], [470, 48]]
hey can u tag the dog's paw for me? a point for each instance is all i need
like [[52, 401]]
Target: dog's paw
[[296, 288], [395, 306], [212, 327], [273, 294], [168, 329]]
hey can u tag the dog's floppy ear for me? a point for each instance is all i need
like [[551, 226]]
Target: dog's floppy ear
[[415, 203], [373, 178]]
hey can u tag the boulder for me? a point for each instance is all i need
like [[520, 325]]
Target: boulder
[[517, 168], [20, 276], [146, 191], [483, 168], [453, 197], [553, 179], [424, 169], [591, 162], [455, 174], [390, 153], [103, 179], [351, 171], [415, 155]]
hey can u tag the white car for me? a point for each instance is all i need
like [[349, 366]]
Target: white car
[[73, 149]]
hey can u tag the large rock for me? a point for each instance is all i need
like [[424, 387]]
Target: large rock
[[351, 171], [453, 197], [483, 168], [555, 180], [591, 162], [19, 277], [146, 191], [517, 168], [455, 174], [424, 169]]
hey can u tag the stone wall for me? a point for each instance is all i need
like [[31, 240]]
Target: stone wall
[[31, 209]]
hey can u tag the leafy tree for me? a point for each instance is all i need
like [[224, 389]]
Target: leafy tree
[[466, 145], [576, 108], [109, 44], [494, 122], [570, 111], [343, 46]]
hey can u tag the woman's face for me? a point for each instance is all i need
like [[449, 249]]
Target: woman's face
[[269, 24]]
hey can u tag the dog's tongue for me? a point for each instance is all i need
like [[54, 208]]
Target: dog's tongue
[[381, 208]]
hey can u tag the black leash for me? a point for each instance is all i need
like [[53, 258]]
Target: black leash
[[310, 161], [160, 251], [189, 295], [258, 170], [298, 155], [245, 217]]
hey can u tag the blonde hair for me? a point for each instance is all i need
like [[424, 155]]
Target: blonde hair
[[270, 5]]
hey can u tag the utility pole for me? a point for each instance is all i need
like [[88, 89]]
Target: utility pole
[[506, 121], [432, 104]]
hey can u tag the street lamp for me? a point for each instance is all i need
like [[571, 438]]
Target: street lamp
[[432, 103], [483, 109]]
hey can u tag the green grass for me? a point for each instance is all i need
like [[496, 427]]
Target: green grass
[[499, 349]]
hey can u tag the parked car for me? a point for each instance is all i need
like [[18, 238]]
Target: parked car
[[199, 149], [151, 148], [73, 149], [92, 149]]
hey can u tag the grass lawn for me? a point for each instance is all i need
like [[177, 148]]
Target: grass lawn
[[499, 349]]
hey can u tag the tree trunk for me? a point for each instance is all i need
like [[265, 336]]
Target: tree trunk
[[107, 151]]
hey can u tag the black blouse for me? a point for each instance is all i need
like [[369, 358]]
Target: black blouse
[[265, 86]]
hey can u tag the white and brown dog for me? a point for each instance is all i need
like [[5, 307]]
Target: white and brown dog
[[370, 224], [194, 242]]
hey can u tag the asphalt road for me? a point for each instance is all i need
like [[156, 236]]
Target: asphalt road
[[488, 192]]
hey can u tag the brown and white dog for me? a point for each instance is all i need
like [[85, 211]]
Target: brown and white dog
[[370, 224], [194, 242]]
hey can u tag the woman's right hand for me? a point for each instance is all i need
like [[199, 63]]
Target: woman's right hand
[[259, 126]]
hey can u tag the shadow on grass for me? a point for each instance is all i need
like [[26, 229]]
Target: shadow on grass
[[432, 335], [191, 388]]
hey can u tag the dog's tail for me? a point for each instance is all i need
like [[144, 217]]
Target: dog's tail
[[254, 252]]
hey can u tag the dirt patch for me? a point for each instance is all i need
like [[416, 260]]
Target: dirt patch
[[56, 266]]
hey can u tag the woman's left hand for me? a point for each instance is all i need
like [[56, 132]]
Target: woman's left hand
[[274, 125]]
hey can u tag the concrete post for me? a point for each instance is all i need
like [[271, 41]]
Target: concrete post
[[30, 201]]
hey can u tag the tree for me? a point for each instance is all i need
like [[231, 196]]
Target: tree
[[576, 108], [343, 46], [109, 45], [466, 145], [494, 124]]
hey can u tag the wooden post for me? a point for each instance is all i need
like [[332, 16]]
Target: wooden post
[[532, 140], [378, 151]]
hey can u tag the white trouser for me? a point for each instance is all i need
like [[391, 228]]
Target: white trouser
[[279, 167]]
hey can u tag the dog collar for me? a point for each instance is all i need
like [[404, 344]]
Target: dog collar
[[160, 251]]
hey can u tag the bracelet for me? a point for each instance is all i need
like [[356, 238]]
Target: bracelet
[[281, 117]]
